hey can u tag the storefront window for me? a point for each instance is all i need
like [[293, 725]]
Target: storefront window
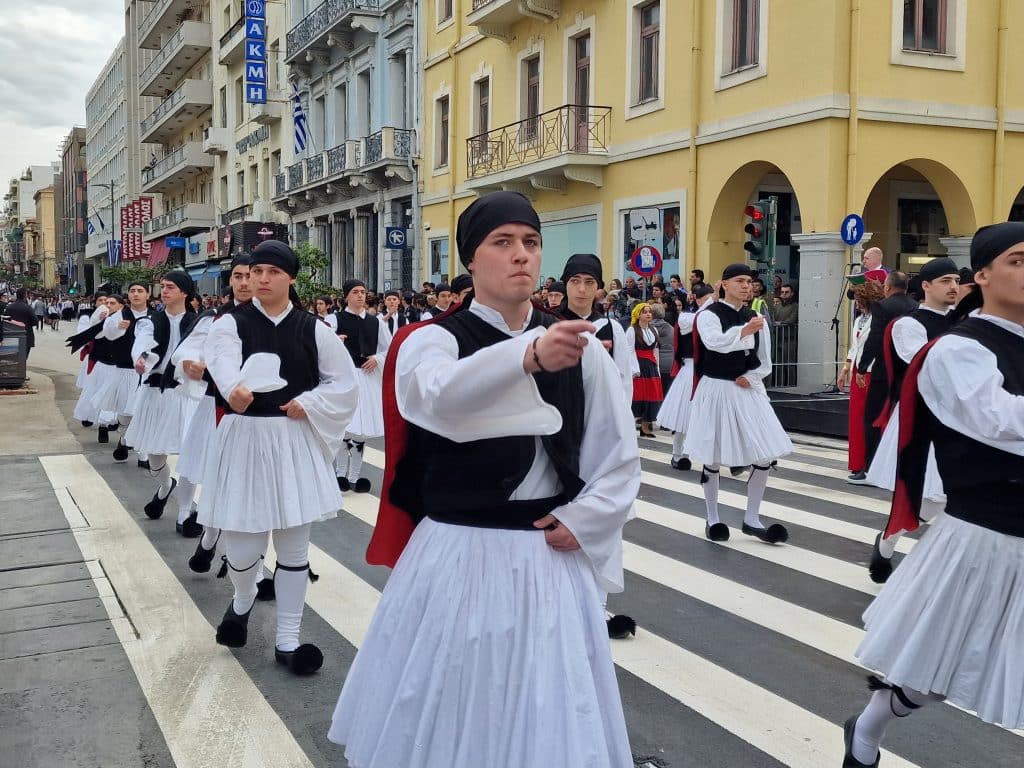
[[657, 226]]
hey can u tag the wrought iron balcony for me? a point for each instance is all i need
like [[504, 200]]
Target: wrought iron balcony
[[280, 187], [320, 169], [494, 18], [330, 16], [189, 100], [232, 42], [236, 214], [178, 167], [179, 52], [388, 151], [163, 17], [189, 218], [296, 175], [570, 141]]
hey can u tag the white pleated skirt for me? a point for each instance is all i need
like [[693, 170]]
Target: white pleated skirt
[[732, 426], [83, 373], [116, 390], [487, 648], [674, 413], [201, 434], [368, 420], [160, 421], [85, 408], [882, 472], [950, 620], [266, 474]]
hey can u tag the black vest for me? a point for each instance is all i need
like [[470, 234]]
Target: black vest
[[471, 483], [604, 333], [293, 340], [934, 326], [162, 334], [121, 349], [361, 334], [396, 322], [984, 485], [684, 345], [728, 365]]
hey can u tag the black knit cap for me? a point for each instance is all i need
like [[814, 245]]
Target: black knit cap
[[276, 254], [348, 285], [737, 270], [937, 268], [583, 264], [486, 214], [241, 260], [139, 283], [989, 242], [181, 279], [396, 294], [461, 283], [557, 287], [442, 288]]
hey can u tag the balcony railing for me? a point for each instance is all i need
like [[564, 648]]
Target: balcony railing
[[236, 214], [169, 49], [162, 166], [374, 147], [336, 160], [569, 129], [168, 104], [322, 19], [314, 168], [279, 185], [190, 39], [295, 175], [200, 214], [239, 23]]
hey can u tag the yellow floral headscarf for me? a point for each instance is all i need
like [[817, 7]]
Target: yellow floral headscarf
[[634, 316]]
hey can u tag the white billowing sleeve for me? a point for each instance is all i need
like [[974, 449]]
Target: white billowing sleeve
[[624, 359], [610, 469], [383, 343], [764, 356], [961, 384], [332, 321], [144, 342], [714, 338], [191, 348], [111, 330], [634, 361], [484, 395], [223, 352], [331, 404], [685, 322], [908, 338], [98, 315]]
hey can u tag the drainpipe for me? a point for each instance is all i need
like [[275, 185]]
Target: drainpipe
[[999, 160], [853, 86], [454, 115], [691, 192]]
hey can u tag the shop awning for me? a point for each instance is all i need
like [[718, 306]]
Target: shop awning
[[158, 253], [196, 272]]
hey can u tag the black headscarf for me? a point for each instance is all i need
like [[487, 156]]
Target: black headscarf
[[486, 214]]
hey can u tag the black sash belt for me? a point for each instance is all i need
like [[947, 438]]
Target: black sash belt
[[512, 515]]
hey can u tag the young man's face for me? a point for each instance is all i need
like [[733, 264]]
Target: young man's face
[[506, 265], [657, 292], [786, 293], [239, 282], [1002, 281], [444, 298], [674, 283], [392, 302], [555, 298], [270, 284], [581, 289], [944, 290], [738, 289], [171, 294], [137, 297], [356, 299]]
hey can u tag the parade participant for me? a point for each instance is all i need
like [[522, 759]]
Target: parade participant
[[92, 351], [323, 310], [443, 300], [731, 419], [201, 439], [583, 277], [163, 408], [120, 384], [556, 294], [905, 337], [269, 472], [393, 316], [513, 465], [461, 286], [675, 410], [949, 624], [647, 393], [858, 378], [367, 340]]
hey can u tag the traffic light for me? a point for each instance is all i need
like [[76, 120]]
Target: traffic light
[[757, 230]]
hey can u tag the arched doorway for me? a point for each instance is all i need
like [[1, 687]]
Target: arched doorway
[[914, 206]]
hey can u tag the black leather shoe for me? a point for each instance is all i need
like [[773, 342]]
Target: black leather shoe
[[304, 660], [775, 533], [104, 436], [233, 630], [344, 484], [849, 761], [155, 507], [265, 590], [190, 529], [142, 463], [683, 465], [86, 424], [362, 485], [121, 452], [201, 559], [621, 627], [880, 567], [717, 532]]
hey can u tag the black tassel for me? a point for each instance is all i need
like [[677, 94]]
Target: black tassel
[[876, 684], [223, 567], [313, 577], [703, 477]]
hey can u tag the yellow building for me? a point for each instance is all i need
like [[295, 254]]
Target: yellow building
[[634, 122], [41, 238]]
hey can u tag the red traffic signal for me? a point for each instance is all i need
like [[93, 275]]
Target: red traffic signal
[[757, 229], [755, 212]]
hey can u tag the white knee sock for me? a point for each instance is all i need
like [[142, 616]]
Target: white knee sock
[[185, 492], [210, 536], [884, 707], [887, 546], [265, 573], [124, 420], [756, 484], [244, 552], [709, 482], [291, 578], [355, 463], [677, 446], [341, 461], [161, 470]]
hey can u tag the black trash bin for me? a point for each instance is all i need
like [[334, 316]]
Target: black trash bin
[[13, 355]]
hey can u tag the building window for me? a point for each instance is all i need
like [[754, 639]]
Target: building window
[[483, 105], [438, 258], [745, 33], [444, 11], [650, 32], [924, 25], [442, 134], [531, 98]]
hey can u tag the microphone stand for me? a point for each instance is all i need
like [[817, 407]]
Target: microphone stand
[[833, 389]]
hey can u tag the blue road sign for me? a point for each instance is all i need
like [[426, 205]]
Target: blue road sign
[[175, 242], [852, 230], [396, 238]]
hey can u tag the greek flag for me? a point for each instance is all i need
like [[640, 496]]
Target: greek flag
[[70, 266], [113, 252], [299, 118], [90, 227]]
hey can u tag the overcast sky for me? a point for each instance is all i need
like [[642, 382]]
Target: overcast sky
[[50, 53]]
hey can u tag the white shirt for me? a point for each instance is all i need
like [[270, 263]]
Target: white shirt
[[110, 325], [961, 384], [709, 328], [649, 336], [329, 405], [489, 395], [860, 331], [144, 332], [909, 336]]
